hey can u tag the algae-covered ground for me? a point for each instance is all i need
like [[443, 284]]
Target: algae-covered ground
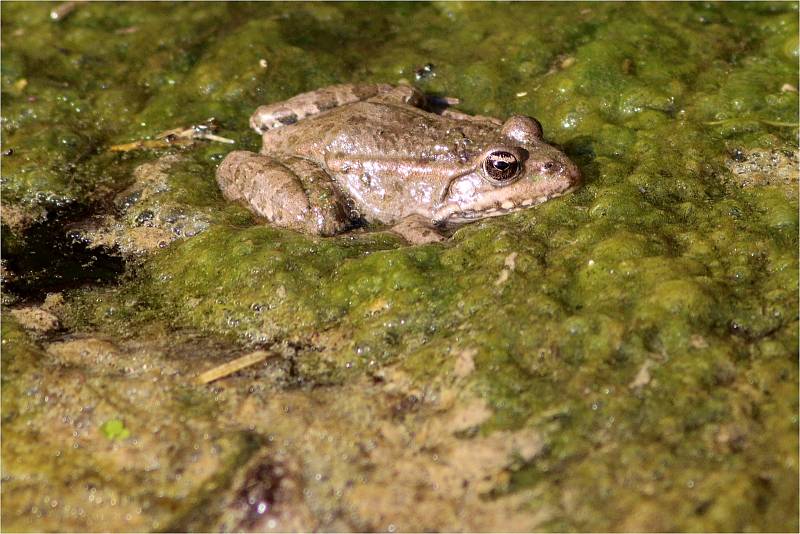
[[622, 358]]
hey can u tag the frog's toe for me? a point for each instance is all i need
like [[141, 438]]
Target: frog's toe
[[425, 237], [418, 230]]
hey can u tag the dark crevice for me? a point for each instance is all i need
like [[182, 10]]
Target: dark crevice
[[50, 259]]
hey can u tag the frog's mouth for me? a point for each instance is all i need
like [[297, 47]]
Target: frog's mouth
[[452, 213]]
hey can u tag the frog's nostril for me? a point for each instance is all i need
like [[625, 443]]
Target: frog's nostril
[[575, 174], [552, 167]]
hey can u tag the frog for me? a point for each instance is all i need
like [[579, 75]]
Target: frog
[[352, 155]]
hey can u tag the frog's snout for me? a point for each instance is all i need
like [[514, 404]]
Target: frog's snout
[[561, 170], [573, 174]]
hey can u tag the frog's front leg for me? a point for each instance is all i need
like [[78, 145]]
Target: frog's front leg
[[293, 192], [311, 103], [418, 230]]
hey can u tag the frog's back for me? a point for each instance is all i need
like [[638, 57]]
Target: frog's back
[[375, 129]]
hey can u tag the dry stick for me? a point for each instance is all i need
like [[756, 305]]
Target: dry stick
[[232, 366], [176, 137], [148, 143], [777, 124], [64, 9]]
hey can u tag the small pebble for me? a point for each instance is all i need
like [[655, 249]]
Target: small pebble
[[426, 71]]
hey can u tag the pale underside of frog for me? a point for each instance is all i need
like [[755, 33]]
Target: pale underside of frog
[[345, 155]]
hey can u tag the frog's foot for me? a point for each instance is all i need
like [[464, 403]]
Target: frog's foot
[[441, 104], [418, 230], [293, 192], [402, 94], [314, 102]]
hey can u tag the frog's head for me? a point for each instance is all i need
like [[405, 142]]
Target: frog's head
[[518, 172]]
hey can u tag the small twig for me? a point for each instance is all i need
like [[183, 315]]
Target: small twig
[[779, 124], [62, 11], [204, 130], [776, 124], [177, 137], [126, 31], [221, 371], [148, 143]]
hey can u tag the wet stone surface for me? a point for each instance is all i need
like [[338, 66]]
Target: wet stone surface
[[623, 358], [765, 167]]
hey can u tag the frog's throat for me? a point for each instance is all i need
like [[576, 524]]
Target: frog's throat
[[452, 213]]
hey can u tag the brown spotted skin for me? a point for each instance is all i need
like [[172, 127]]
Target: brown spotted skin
[[375, 153]]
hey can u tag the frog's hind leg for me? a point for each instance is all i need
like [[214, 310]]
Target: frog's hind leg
[[314, 102], [293, 192]]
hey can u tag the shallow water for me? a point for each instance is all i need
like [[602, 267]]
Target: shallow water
[[635, 368]]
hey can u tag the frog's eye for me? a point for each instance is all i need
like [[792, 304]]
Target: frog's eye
[[523, 129], [501, 167]]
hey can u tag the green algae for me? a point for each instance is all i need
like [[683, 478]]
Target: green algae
[[648, 326], [115, 429]]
